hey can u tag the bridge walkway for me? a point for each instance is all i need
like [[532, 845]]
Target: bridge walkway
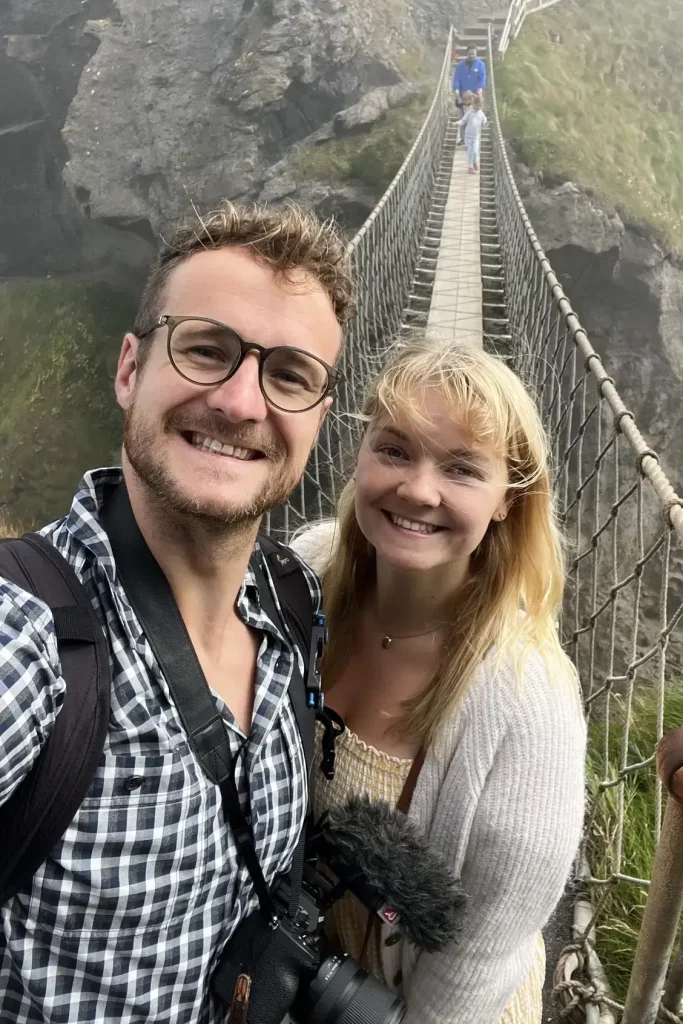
[[455, 313]]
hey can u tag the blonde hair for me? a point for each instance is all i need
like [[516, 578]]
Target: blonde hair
[[510, 600], [477, 102], [285, 238]]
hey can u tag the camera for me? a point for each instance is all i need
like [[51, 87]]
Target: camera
[[298, 971], [376, 852], [333, 987]]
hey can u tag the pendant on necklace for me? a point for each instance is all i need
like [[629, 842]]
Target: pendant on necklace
[[386, 642]]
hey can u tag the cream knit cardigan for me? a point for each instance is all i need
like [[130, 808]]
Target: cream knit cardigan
[[501, 794]]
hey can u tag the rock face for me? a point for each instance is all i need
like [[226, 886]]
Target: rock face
[[185, 102], [43, 50], [116, 116], [626, 285]]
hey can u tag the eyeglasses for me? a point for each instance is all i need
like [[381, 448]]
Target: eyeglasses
[[208, 353]]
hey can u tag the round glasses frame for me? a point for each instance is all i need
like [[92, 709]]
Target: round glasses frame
[[246, 348]]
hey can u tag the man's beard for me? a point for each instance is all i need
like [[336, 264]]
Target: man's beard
[[143, 445]]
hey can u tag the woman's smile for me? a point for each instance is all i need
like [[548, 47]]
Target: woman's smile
[[415, 528]]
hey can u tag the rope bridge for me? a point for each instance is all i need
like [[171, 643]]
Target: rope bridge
[[624, 523]]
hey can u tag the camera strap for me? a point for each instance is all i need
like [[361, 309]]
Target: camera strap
[[152, 599], [305, 720]]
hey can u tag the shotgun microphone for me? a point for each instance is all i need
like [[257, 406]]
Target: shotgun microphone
[[382, 856]]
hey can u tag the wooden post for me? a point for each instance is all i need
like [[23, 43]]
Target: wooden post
[[665, 898]]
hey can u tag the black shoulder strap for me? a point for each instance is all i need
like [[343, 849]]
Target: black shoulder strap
[[150, 594], [295, 599], [297, 610], [310, 634], [292, 589], [41, 808], [152, 600]]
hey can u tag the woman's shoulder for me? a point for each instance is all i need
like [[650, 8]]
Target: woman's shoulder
[[315, 544], [527, 691], [524, 721]]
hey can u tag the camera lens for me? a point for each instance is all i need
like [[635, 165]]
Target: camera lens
[[342, 992]]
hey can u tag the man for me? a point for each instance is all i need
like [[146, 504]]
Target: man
[[470, 76], [125, 921]]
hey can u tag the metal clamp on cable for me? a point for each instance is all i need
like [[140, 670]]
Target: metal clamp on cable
[[333, 727], [315, 699]]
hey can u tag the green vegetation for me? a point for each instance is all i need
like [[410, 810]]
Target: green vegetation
[[372, 159], [592, 90], [59, 342], [622, 913]]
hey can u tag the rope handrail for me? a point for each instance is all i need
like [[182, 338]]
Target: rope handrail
[[393, 184]]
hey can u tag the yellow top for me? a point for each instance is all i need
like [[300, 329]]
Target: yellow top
[[362, 770]]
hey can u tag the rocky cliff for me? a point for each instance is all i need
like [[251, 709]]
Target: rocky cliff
[[626, 284], [43, 50], [116, 115]]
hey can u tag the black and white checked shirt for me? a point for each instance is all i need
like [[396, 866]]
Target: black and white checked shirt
[[125, 921]]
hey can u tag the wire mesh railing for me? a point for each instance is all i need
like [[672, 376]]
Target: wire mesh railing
[[517, 14], [624, 605], [384, 254]]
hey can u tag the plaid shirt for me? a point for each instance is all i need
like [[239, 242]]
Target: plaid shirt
[[125, 921]]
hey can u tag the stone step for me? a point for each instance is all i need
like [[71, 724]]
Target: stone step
[[476, 33], [461, 46]]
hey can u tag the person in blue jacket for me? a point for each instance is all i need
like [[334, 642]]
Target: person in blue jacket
[[470, 74]]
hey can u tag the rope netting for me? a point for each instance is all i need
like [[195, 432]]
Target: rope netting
[[624, 602], [384, 255]]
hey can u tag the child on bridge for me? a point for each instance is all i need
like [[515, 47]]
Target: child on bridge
[[470, 130]]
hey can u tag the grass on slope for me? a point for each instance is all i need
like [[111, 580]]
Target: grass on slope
[[372, 159], [622, 914], [58, 346], [592, 90]]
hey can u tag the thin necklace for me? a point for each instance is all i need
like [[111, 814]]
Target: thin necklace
[[389, 638]]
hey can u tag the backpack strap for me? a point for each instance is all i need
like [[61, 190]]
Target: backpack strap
[[41, 808], [310, 635], [292, 589], [295, 599]]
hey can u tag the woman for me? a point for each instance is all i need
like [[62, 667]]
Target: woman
[[443, 579]]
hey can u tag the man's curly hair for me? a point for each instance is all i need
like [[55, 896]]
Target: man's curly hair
[[286, 239]]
